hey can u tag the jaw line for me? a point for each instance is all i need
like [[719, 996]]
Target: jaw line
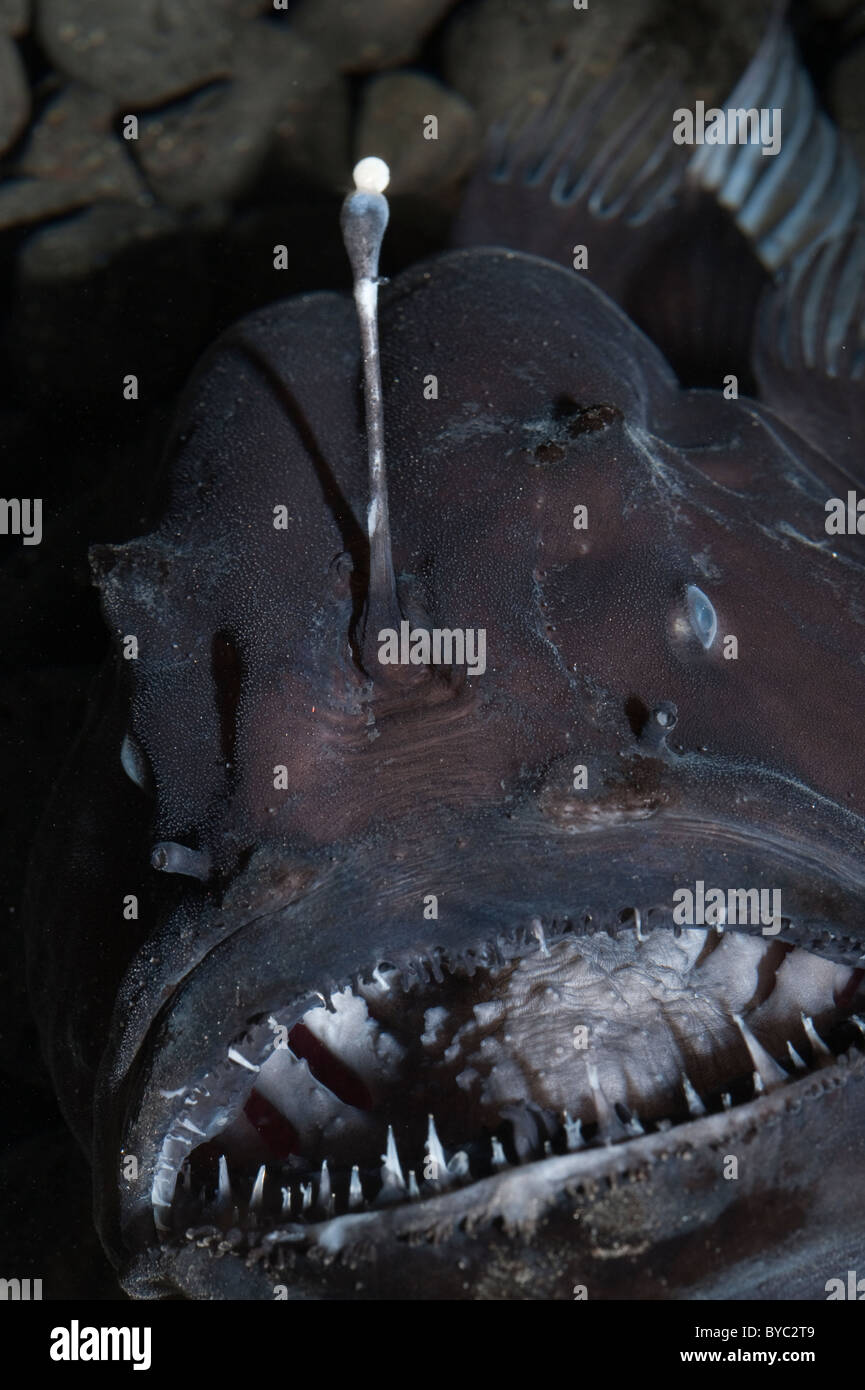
[[516, 1201]]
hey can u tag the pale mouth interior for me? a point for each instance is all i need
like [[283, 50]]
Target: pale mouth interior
[[585, 1042]]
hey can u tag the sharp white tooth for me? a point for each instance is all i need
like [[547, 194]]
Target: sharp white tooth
[[380, 980], [759, 1084], [257, 1190], [638, 925], [286, 1201], [633, 1126], [163, 1188], [435, 1155], [390, 1159], [795, 1058], [727, 1100], [499, 1159], [324, 1187], [355, 1191], [859, 1022], [223, 1193], [392, 1180], [820, 1048], [603, 1110], [765, 1066], [306, 1191], [187, 1124], [161, 1217], [413, 1189], [538, 933], [548, 1149], [696, 1108], [459, 1165], [573, 1133], [238, 1057]]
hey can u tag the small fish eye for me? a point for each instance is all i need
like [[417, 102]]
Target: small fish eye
[[702, 615]]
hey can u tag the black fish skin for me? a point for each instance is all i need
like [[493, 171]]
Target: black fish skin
[[577, 625]]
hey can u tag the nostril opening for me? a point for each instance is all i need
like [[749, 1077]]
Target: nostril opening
[[637, 714]]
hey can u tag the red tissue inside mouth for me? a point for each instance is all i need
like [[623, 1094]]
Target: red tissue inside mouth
[[279, 1133], [329, 1070], [844, 998]]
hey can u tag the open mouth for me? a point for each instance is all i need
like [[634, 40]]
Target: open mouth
[[411, 1084]]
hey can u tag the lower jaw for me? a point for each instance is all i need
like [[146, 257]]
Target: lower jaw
[[668, 1216]]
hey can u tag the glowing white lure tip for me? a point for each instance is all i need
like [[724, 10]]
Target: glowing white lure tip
[[371, 175]]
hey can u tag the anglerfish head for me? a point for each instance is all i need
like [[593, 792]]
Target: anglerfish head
[[508, 939]]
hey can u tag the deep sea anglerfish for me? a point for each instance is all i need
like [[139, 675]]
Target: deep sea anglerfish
[[376, 845]]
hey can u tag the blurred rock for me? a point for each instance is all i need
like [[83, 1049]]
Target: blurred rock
[[14, 16], [391, 125], [361, 37], [212, 145], [506, 56], [139, 52], [313, 134], [14, 94], [82, 245], [115, 289], [71, 158], [245, 9], [209, 147]]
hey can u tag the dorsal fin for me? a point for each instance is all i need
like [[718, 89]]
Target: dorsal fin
[[810, 351], [364, 219]]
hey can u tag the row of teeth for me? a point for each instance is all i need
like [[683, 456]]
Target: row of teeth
[[318, 1196], [325, 1194]]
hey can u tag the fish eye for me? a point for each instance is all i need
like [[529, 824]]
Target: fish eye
[[702, 615]]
